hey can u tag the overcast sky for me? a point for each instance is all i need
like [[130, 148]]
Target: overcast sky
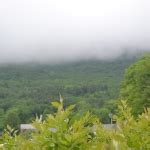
[[56, 30]]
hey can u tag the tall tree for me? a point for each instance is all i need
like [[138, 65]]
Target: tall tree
[[12, 118], [136, 85]]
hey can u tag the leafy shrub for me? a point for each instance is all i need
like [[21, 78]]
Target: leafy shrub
[[64, 131]]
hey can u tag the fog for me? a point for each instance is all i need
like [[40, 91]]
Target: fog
[[69, 30]]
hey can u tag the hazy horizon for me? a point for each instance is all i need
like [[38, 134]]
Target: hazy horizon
[[56, 31]]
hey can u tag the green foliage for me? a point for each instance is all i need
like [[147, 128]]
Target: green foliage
[[12, 118], [30, 88], [133, 133], [136, 85], [62, 131], [2, 117]]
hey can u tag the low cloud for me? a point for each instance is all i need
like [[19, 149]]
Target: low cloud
[[56, 30]]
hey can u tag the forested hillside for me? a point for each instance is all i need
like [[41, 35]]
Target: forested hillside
[[74, 127], [28, 89]]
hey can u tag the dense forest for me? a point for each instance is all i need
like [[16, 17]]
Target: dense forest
[[80, 126], [26, 90]]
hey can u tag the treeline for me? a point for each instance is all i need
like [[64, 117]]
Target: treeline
[[28, 89]]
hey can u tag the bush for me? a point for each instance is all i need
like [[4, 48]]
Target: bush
[[64, 131]]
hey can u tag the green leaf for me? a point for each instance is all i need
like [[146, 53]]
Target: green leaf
[[56, 104]]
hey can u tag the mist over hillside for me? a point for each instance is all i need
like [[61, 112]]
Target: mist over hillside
[[58, 31], [123, 55], [77, 48]]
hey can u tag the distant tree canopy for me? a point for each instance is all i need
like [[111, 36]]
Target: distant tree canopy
[[27, 89], [136, 85]]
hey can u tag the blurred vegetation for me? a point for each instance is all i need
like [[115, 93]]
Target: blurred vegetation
[[64, 131], [27, 89]]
